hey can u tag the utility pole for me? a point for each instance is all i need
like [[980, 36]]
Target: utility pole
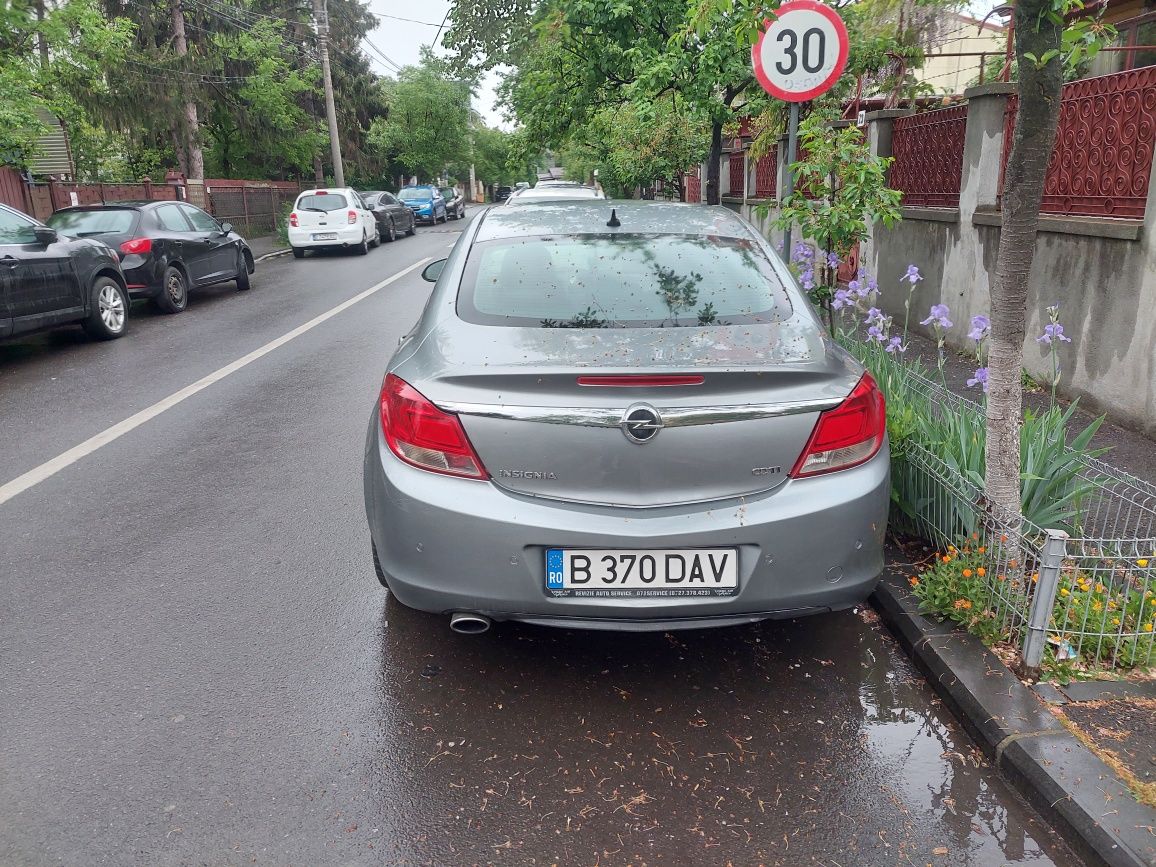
[[321, 14], [192, 125]]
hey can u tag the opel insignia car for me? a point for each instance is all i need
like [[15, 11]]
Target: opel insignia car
[[623, 417]]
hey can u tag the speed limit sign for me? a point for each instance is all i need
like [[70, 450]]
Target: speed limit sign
[[801, 52]]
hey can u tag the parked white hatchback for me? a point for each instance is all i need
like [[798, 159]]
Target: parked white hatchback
[[331, 218]]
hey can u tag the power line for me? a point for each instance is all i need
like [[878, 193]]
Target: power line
[[381, 53], [401, 18]]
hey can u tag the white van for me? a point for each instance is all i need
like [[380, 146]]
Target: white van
[[334, 217]]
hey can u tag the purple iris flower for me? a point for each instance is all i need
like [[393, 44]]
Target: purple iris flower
[[855, 285], [875, 316], [912, 276], [980, 328], [802, 253], [979, 378], [807, 279], [938, 317], [842, 299], [895, 344], [1053, 331], [874, 333], [832, 260]]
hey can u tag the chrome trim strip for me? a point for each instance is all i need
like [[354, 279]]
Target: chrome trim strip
[[612, 416]]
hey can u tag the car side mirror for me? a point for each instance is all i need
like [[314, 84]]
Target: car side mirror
[[45, 235], [433, 270], [226, 228]]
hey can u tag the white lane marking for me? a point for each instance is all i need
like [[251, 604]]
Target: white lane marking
[[50, 468]]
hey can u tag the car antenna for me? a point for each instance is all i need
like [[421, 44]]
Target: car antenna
[[613, 222]]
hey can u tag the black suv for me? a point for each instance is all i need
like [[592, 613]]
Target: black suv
[[49, 279]]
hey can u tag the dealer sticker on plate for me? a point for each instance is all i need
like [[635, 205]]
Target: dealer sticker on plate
[[691, 572]]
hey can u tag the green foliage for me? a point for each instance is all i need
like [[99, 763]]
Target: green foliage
[[1052, 487], [957, 587], [428, 123]]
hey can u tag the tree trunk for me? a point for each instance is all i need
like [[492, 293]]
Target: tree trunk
[[192, 126], [712, 164], [1035, 135]]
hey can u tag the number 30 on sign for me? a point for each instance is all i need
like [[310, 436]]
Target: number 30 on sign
[[801, 52]]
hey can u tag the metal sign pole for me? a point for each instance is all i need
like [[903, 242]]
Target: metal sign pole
[[789, 179]]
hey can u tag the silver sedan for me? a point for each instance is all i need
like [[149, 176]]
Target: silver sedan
[[623, 416]]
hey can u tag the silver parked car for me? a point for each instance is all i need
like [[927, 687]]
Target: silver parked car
[[623, 417]]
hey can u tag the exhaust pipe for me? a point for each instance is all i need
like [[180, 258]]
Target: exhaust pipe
[[469, 624]]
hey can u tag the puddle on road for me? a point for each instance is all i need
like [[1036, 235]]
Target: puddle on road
[[810, 741]]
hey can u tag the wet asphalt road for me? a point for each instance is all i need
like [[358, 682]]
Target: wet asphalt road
[[198, 666]]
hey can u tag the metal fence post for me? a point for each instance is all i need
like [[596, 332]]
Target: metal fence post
[[1044, 600]]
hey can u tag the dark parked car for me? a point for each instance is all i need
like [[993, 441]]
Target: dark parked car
[[47, 279], [502, 193], [455, 202], [166, 248], [393, 218]]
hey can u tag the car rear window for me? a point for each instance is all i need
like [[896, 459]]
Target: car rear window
[[415, 195], [620, 281], [321, 202], [116, 221], [448, 193]]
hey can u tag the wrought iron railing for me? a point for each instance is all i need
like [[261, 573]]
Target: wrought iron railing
[[928, 151]]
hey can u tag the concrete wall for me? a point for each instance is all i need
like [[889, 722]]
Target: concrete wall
[[1101, 272]]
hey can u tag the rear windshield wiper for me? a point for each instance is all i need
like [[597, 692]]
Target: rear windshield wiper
[[318, 210]]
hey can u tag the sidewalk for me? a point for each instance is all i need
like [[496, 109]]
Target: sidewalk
[[265, 245]]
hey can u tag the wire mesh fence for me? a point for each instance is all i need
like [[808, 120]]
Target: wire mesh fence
[[252, 210], [1097, 576]]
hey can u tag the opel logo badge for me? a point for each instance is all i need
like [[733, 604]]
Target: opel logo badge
[[641, 423]]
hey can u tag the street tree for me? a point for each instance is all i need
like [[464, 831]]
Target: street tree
[[427, 127]]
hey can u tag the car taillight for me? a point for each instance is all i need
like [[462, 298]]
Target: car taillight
[[422, 435], [847, 435], [137, 245], [293, 220], [352, 217]]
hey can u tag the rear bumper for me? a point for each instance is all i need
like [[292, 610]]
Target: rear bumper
[[347, 236], [447, 544], [142, 277]]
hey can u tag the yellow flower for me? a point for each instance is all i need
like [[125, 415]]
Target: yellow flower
[[980, 571], [1147, 627], [1142, 563], [951, 548], [1115, 621], [946, 559], [1099, 587], [1097, 605], [1111, 603], [1063, 590]]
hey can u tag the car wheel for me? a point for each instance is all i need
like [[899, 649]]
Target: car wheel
[[412, 228], [376, 242], [391, 233], [174, 295], [298, 253], [107, 310], [244, 284], [362, 248], [377, 566]]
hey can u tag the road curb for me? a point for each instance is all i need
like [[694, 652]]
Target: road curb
[[273, 255], [1069, 786]]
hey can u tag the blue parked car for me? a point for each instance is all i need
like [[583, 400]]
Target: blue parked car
[[427, 203]]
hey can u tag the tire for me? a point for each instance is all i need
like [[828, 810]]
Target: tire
[[376, 242], [412, 227], [244, 284], [377, 567], [362, 248], [174, 295], [454, 217], [391, 235], [107, 310], [298, 253]]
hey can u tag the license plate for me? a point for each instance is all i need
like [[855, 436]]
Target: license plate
[[692, 572], [325, 236]]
